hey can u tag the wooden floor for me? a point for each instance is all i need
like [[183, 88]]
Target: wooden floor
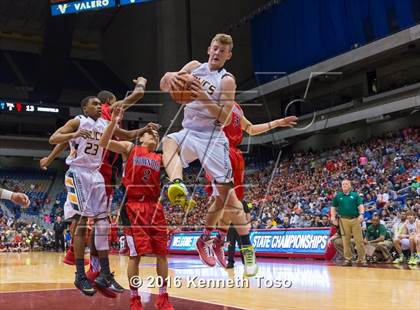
[[25, 278]]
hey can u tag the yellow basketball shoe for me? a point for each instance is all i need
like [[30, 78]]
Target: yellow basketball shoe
[[177, 192], [250, 262], [188, 205]]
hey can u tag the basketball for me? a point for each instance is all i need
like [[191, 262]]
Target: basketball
[[184, 95]]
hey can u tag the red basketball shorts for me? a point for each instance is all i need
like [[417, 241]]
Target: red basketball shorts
[[145, 228], [238, 168]]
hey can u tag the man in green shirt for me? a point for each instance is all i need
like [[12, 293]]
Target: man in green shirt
[[377, 236], [349, 207]]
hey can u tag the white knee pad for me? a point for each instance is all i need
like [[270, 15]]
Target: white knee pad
[[101, 234]]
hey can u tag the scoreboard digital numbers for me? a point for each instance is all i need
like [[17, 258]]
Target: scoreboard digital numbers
[[63, 7], [30, 108]]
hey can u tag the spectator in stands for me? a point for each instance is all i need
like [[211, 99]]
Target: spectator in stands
[[383, 198], [377, 236], [59, 227], [47, 218], [316, 221], [295, 220], [410, 232], [258, 224], [307, 222], [286, 222], [400, 242], [324, 222], [10, 221]]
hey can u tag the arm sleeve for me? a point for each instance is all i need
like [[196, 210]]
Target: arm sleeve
[[359, 200]]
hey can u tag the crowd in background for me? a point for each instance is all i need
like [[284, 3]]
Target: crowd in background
[[18, 236], [298, 192]]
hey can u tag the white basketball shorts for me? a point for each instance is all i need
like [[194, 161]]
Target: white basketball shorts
[[211, 148], [85, 194]]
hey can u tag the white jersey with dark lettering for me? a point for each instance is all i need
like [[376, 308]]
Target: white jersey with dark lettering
[[196, 116], [86, 153]]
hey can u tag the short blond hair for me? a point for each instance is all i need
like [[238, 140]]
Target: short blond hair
[[224, 39]]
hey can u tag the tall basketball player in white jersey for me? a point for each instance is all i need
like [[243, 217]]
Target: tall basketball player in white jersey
[[86, 190], [202, 138]]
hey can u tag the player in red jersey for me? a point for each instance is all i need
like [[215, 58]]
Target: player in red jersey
[[142, 215], [234, 133], [111, 162], [109, 167]]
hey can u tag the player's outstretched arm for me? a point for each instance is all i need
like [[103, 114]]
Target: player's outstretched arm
[[69, 131], [136, 94], [221, 110], [17, 198], [120, 147], [257, 129], [129, 135], [172, 80], [46, 161]]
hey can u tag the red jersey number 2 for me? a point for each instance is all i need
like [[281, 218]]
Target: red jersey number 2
[[147, 173]]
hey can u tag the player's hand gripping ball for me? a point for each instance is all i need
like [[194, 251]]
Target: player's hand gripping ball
[[181, 90]]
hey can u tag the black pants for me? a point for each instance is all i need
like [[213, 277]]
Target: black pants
[[232, 238], [59, 242]]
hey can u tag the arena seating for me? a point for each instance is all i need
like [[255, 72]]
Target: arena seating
[[34, 183], [393, 167]]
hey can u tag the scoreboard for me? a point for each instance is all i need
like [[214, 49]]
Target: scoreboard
[[63, 7], [35, 109]]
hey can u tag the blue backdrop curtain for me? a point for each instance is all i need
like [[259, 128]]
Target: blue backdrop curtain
[[298, 33]]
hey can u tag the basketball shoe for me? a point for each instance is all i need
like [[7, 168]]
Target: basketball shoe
[[107, 281], [162, 302], [219, 252], [91, 276], [413, 260], [205, 251], [250, 262], [83, 284], [178, 194], [135, 303]]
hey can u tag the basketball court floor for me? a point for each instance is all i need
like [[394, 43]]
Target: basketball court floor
[[41, 281]]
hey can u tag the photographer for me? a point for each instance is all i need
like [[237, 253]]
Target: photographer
[[59, 228]]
